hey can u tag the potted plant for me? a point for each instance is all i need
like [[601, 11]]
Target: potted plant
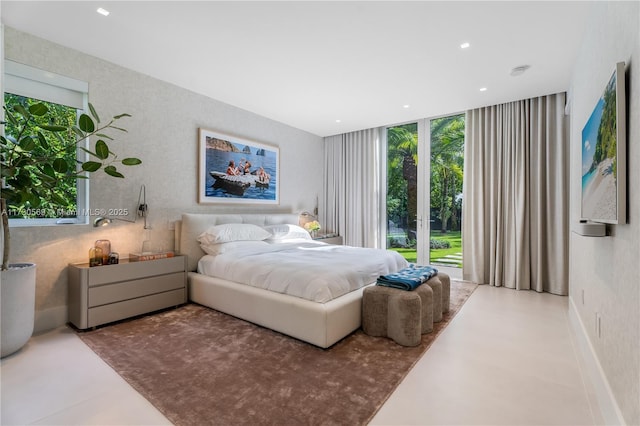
[[37, 159]]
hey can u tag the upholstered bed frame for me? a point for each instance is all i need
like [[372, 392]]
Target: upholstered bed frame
[[321, 324]]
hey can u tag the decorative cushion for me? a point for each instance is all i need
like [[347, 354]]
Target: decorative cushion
[[286, 232], [233, 232]]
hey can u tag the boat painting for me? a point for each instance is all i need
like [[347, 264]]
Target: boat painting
[[238, 184], [235, 170]]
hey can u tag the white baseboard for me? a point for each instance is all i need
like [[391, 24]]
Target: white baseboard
[[48, 319], [610, 411]]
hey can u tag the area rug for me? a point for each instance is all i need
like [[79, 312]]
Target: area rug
[[202, 367]]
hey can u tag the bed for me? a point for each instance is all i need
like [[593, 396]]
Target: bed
[[319, 323]]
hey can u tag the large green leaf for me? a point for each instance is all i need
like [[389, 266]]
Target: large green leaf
[[38, 109], [53, 127], [78, 132], [86, 123], [102, 135], [131, 161], [93, 112], [43, 141], [27, 143], [33, 199], [48, 170], [91, 166], [102, 150], [11, 118], [93, 154], [22, 111], [111, 171], [60, 165]]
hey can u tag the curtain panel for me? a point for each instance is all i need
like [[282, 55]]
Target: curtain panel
[[352, 189], [516, 195]]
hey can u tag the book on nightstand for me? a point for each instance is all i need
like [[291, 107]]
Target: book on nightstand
[[139, 257]]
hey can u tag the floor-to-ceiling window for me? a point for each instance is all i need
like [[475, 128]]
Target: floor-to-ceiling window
[[402, 189], [445, 194], [424, 199]]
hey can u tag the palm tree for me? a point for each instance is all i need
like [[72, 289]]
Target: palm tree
[[403, 156], [447, 142]]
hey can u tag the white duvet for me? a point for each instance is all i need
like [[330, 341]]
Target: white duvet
[[311, 270]]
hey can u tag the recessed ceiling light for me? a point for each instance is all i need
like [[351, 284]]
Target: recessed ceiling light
[[465, 45], [406, 106], [338, 121], [103, 12], [519, 70], [483, 89]]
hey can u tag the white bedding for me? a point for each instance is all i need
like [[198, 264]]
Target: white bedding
[[310, 270]]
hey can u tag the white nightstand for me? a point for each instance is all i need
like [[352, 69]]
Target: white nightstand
[[103, 294], [329, 239]]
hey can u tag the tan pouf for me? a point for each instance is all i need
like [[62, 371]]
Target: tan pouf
[[446, 291], [398, 314], [436, 286]]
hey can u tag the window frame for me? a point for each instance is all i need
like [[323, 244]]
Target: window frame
[[28, 81]]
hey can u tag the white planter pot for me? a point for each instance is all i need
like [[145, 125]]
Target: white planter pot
[[18, 294]]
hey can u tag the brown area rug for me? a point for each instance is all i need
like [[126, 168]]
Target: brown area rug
[[199, 367]]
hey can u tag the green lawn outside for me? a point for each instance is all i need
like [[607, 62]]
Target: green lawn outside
[[454, 239], [408, 253]]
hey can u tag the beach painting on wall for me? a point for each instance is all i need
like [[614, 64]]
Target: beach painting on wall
[[603, 156], [235, 170]]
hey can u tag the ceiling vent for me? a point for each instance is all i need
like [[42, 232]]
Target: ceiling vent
[[519, 70]]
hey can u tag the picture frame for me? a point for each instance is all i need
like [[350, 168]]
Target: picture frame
[[604, 162], [233, 170]]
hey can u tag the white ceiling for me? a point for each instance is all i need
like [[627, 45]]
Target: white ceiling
[[309, 64]]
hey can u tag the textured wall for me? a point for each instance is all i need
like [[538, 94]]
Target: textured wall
[[608, 269], [163, 132]]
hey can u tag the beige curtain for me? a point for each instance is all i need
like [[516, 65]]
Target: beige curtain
[[516, 195], [352, 191]]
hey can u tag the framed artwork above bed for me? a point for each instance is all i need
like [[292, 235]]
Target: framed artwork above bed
[[235, 170]]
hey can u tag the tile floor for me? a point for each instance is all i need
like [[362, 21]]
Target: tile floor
[[507, 358]]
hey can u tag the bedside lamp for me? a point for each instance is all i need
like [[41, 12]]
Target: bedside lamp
[[304, 218], [142, 211]]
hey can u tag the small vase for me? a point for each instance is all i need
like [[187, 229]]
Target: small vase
[[105, 246]]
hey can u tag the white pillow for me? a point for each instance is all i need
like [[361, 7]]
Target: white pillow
[[220, 248], [287, 232], [233, 232]]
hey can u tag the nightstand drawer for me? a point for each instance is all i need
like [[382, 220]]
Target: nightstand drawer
[[336, 240], [129, 308], [110, 293], [134, 270]]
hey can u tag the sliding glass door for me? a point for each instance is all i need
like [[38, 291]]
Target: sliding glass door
[[402, 190], [446, 141], [424, 198]]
